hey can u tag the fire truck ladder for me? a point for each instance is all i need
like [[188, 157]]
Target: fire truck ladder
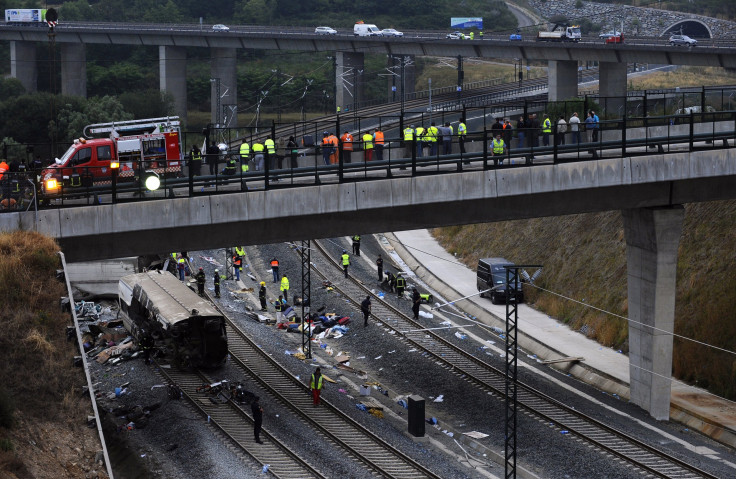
[[119, 128]]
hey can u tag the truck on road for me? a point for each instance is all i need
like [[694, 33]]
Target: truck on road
[[134, 148], [561, 34], [25, 15]]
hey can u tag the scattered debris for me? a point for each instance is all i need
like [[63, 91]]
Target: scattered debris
[[475, 434], [439, 398]]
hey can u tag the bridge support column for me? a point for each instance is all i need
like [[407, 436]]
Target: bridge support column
[[172, 68], [23, 64], [224, 87], [563, 80], [652, 240], [73, 69], [612, 88], [348, 79], [403, 77]]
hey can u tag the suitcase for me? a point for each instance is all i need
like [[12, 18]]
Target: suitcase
[[343, 321]]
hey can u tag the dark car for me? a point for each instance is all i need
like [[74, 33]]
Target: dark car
[[492, 275]]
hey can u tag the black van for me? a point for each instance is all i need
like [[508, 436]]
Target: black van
[[491, 273]]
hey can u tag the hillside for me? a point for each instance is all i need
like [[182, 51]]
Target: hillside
[[584, 259], [43, 411]]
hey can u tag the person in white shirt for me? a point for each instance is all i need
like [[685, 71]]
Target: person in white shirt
[[575, 128]]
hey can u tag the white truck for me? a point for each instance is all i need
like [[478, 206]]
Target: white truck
[[25, 15], [561, 34], [366, 30]]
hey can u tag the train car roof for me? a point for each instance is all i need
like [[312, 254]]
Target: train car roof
[[163, 294]]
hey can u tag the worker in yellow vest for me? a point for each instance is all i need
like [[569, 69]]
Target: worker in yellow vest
[[345, 262], [367, 149], [408, 140], [462, 130], [498, 146], [244, 156], [285, 287], [258, 159], [431, 137], [546, 130], [270, 151], [419, 136]]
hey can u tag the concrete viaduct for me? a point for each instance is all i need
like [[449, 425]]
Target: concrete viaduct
[[649, 190], [173, 41]]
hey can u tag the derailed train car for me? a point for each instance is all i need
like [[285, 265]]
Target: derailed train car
[[186, 327]]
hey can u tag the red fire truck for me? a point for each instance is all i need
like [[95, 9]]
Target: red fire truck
[[149, 146]]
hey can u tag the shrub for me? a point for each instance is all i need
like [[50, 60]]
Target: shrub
[[6, 410]]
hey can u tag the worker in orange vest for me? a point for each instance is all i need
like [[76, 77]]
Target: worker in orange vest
[[347, 146], [332, 139], [378, 140]]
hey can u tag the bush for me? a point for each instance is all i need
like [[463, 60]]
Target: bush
[[7, 408]]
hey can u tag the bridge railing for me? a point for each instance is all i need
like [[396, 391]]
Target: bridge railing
[[527, 147]]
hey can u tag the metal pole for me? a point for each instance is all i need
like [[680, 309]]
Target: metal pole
[[306, 293], [430, 101]]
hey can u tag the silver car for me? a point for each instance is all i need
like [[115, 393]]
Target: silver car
[[682, 40], [220, 28], [325, 31], [390, 32]]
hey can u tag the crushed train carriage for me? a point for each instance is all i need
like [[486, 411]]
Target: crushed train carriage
[[185, 326]]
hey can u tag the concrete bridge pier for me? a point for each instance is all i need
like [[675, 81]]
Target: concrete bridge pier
[[172, 67], [652, 239], [403, 78], [612, 88], [563, 80], [224, 85], [348, 79], [74, 69], [23, 64]]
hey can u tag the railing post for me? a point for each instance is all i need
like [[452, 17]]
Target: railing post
[[554, 144], [340, 172], [623, 136], [485, 149], [414, 154], [692, 129]]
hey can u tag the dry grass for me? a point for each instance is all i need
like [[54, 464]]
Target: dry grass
[[685, 76], [584, 259]]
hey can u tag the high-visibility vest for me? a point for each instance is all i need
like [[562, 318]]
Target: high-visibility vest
[[274, 264], [196, 155], [230, 167], [367, 141], [400, 282], [378, 137], [345, 259], [257, 147], [270, 146], [431, 135], [347, 142], [462, 130], [498, 147], [319, 382], [451, 130], [244, 149], [284, 284], [278, 305], [547, 126], [237, 261], [356, 239], [408, 134], [240, 251], [419, 132]]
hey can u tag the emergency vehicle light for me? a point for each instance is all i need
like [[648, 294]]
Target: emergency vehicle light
[[152, 181], [114, 165], [52, 185]]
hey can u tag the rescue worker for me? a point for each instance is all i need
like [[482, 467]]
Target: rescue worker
[[462, 130], [400, 285], [365, 308], [431, 136], [408, 140], [347, 146], [367, 146], [146, 344], [275, 270], [258, 149], [546, 130], [181, 265], [499, 149], [231, 167], [244, 156], [270, 151], [216, 280], [238, 258], [200, 277], [315, 385], [195, 161], [257, 410], [279, 306], [472, 35], [419, 138], [285, 287], [379, 264], [378, 140], [345, 262], [390, 281], [293, 152], [480, 34], [213, 157], [356, 245], [334, 142], [416, 300], [326, 147], [262, 296]]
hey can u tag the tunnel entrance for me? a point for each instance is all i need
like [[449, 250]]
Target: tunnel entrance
[[691, 28]]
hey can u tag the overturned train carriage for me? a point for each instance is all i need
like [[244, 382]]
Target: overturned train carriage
[[182, 324]]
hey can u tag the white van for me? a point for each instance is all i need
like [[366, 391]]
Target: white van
[[366, 30]]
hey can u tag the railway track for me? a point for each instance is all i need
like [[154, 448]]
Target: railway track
[[535, 403], [329, 422]]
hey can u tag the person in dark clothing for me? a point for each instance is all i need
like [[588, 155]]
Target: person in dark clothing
[[400, 285], [257, 410], [356, 245], [416, 300], [391, 280], [262, 296], [200, 277], [195, 161], [379, 263], [217, 283], [146, 344], [496, 128], [213, 156], [365, 308], [293, 152]]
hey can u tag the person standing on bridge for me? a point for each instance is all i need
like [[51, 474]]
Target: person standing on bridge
[[546, 130], [367, 146], [379, 264], [315, 385], [347, 146], [408, 141], [216, 280], [365, 308], [462, 131], [270, 152], [498, 147], [447, 139], [285, 287], [244, 155], [195, 161], [257, 410], [589, 128], [432, 137], [419, 140], [561, 130], [378, 140], [275, 269], [521, 131], [508, 133], [258, 159], [596, 125], [200, 277], [293, 152], [213, 156], [345, 262], [575, 128], [326, 147]]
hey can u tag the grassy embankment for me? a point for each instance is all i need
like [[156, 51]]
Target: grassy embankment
[[584, 258], [39, 384]]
